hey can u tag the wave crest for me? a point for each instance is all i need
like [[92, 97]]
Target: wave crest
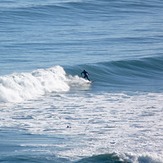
[[23, 86]]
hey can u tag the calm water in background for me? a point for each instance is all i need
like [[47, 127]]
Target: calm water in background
[[48, 113]]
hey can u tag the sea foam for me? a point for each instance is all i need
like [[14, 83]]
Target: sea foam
[[24, 86]]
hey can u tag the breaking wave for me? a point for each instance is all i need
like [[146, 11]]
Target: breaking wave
[[24, 86], [134, 74]]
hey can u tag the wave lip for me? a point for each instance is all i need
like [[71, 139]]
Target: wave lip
[[22, 86]]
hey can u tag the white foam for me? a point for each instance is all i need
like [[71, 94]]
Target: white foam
[[23, 86], [97, 123]]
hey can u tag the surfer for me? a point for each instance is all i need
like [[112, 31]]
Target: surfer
[[85, 73]]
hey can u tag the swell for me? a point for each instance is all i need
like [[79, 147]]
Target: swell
[[114, 158], [144, 72], [74, 10], [110, 158], [102, 158], [34, 13], [83, 9]]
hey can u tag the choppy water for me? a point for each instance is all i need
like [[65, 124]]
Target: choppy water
[[48, 113]]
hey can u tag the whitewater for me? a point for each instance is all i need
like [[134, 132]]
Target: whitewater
[[25, 86], [49, 113], [73, 118]]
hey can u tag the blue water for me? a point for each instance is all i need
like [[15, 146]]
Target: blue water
[[48, 113]]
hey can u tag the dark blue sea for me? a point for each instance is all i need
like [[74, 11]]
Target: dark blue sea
[[49, 113]]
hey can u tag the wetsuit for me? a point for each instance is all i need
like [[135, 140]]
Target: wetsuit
[[85, 73]]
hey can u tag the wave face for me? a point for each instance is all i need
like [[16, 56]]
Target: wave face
[[144, 74], [114, 158]]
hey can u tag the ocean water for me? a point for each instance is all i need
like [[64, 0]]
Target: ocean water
[[49, 113]]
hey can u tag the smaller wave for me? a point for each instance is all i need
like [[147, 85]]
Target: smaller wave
[[29, 4], [41, 158], [105, 158], [115, 158], [23, 86]]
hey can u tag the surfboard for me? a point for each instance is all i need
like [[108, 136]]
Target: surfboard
[[89, 82]]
